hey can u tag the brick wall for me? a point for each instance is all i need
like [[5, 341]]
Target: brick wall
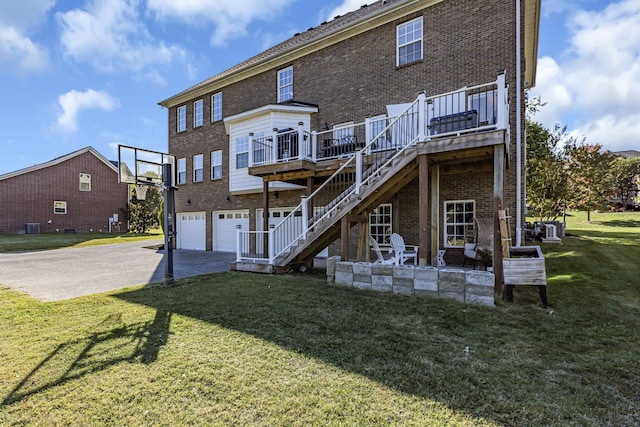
[[465, 43], [29, 197]]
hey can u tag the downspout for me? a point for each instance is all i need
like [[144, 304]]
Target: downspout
[[518, 127]]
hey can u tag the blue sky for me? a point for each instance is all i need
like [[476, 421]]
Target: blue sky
[[79, 73]]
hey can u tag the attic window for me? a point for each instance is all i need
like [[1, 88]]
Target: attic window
[[85, 182]]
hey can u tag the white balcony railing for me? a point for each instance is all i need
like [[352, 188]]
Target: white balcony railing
[[464, 111]]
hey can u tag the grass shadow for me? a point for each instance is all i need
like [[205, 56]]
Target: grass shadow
[[107, 346]]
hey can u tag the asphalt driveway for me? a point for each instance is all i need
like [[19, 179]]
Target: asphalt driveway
[[68, 273]]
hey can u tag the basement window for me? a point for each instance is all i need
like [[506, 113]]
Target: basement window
[[60, 207]]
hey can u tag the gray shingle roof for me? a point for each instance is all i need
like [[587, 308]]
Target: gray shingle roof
[[325, 29]]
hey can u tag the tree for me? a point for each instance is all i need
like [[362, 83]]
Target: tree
[[589, 177], [144, 214], [625, 174], [547, 176]]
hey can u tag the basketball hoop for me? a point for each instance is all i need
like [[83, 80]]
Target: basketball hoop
[[141, 191]]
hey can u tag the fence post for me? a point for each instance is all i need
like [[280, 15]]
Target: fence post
[[305, 216], [367, 133], [358, 171], [251, 134], [272, 244], [314, 144], [302, 147], [274, 145], [238, 245], [502, 101], [422, 116]]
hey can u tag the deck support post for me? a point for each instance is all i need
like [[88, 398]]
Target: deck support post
[[423, 209], [345, 227], [265, 216], [498, 202], [435, 212]]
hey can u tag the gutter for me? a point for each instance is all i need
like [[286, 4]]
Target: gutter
[[518, 126]]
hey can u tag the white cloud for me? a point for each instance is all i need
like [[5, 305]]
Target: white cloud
[[109, 34], [594, 88], [230, 18], [17, 50], [73, 102], [346, 7]]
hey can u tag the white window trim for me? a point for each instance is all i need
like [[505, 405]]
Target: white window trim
[[59, 204], [181, 119], [445, 235], [198, 113], [216, 163], [215, 110], [85, 181], [420, 40], [372, 223], [182, 168], [198, 165], [281, 87]]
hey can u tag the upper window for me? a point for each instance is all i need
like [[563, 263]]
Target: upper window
[[380, 223], [59, 207], [409, 42], [197, 113], [458, 216], [242, 152], [85, 182], [285, 84], [198, 168], [216, 164], [182, 118], [216, 107], [182, 171]]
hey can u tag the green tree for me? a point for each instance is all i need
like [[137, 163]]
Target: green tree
[[144, 214], [625, 174], [589, 176], [547, 176]]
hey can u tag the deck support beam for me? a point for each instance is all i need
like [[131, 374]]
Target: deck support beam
[[265, 216], [435, 212], [423, 211], [498, 203]]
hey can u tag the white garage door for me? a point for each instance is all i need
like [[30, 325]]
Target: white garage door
[[224, 228], [192, 231]]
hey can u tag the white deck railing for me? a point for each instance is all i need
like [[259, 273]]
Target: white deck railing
[[464, 111]]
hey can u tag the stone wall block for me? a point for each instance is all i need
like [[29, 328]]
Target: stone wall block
[[382, 269], [381, 283]]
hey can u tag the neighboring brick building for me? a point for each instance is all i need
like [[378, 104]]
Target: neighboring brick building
[[78, 191], [281, 122]]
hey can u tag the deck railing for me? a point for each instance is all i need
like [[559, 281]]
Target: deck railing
[[464, 111]]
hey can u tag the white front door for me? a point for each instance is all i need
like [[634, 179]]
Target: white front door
[[191, 231], [224, 228]]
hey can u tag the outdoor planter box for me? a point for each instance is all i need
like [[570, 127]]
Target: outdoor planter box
[[525, 267]]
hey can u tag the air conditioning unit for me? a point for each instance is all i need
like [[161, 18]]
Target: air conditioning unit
[[32, 228]]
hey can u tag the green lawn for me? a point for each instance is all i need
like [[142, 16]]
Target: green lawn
[[243, 349], [37, 242]]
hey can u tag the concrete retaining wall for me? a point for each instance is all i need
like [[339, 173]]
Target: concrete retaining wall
[[467, 286]]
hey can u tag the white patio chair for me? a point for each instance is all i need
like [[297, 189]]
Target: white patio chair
[[376, 248], [401, 251]]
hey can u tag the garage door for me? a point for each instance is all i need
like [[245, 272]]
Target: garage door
[[192, 231], [224, 228]]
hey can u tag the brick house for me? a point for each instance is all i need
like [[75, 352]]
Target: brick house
[[408, 115], [78, 191]]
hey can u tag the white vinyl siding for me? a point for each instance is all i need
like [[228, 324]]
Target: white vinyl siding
[[409, 42], [198, 168], [216, 107], [285, 84], [197, 113], [182, 171], [181, 118], [216, 164]]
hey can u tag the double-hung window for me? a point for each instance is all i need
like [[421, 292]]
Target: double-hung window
[[242, 152], [198, 168], [85, 182], [197, 113], [216, 107], [458, 214], [182, 118], [409, 42], [182, 171], [60, 207], [285, 84], [216, 164]]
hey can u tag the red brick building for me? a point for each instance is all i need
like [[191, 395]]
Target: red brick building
[[347, 94], [78, 191]]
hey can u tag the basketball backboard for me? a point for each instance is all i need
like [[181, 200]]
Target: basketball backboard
[[141, 166]]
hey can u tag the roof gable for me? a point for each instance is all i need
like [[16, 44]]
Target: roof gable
[[59, 160]]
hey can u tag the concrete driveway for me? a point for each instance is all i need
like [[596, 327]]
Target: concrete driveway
[[68, 273]]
